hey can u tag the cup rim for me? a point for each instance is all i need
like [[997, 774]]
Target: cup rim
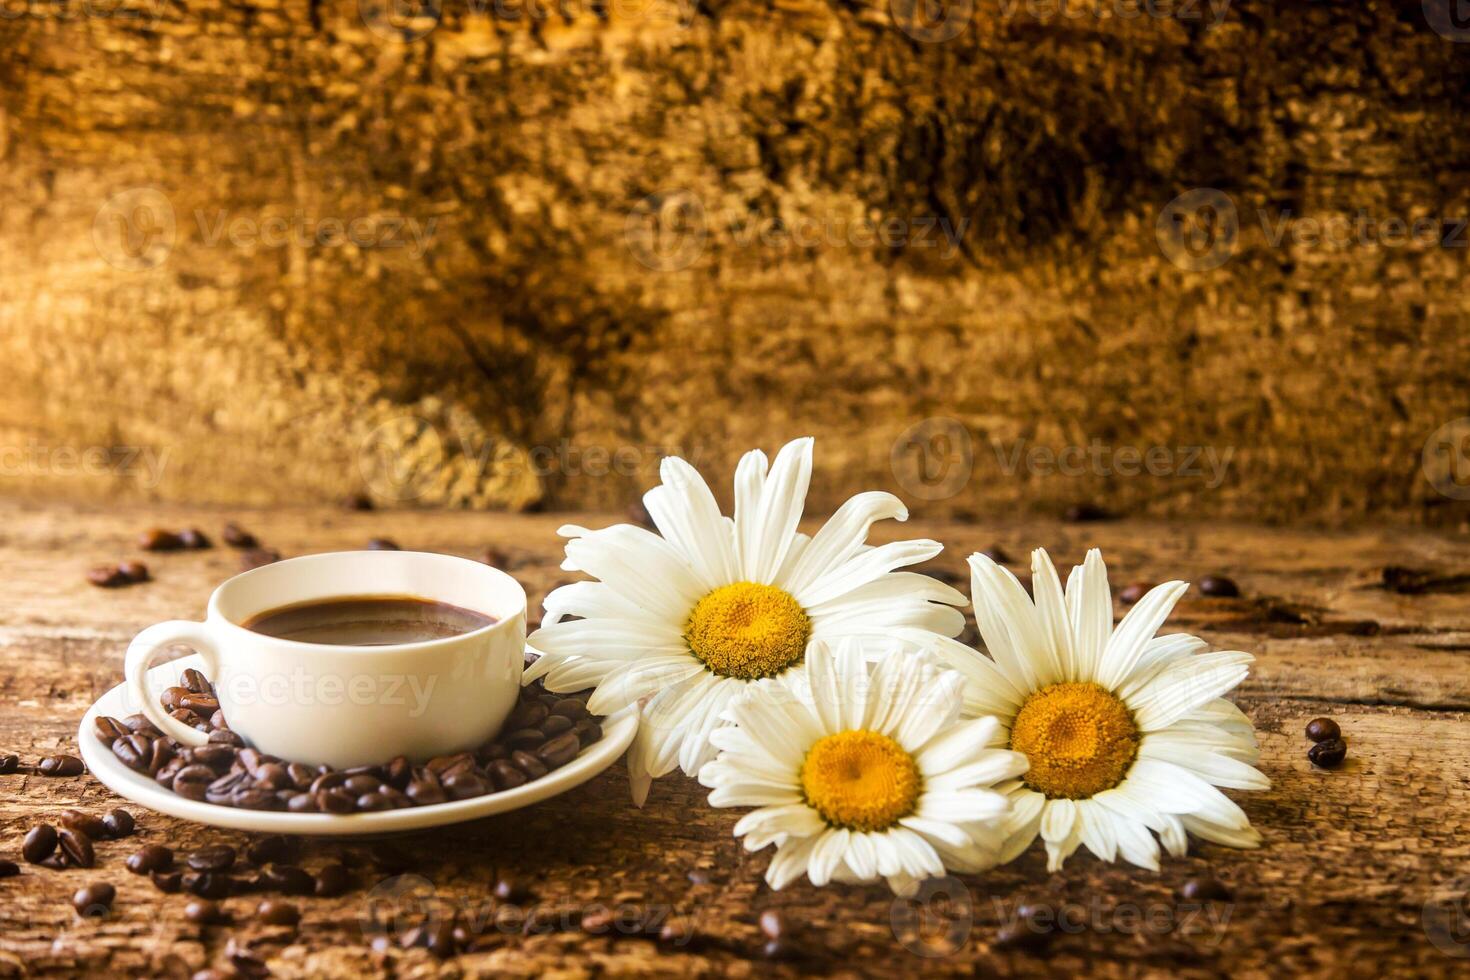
[[213, 614]]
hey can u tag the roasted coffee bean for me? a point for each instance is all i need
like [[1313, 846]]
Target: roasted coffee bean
[[527, 763], [273, 775], [163, 751], [506, 776], [1023, 934], [253, 798], [223, 736], [119, 823], [208, 884], [214, 755], [1085, 512], [109, 730], [9, 869], [463, 785], [150, 858], [107, 576], [195, 683], [335, 801], [39, 843], [273, 849], [219, 857], [425, 790], [588, 731], [94, 900], [441, 764], [193, 782], [358, 785], [441, 941], [256, 557], [135, 751], [328, 780], [76, 847], [526, 714], [158, 539], [555, 725], [274, 913], [61, 765], [1328, 753], [559, 751], [133, 571], [1322, 729], [204, 912], [288, 879], [56, 862], [373, 802], [194, 539], [511, 890], [168, 881], [302, 803], [358, 501], [139, 724], [9, 763], [333, 879], [202, 704], [570, 708], [1218, 587], [523, 738], [996, 554], [301, 776], [1133, 592], [398, 772], [493, 557], [237, 537], [87, 823], [383, 544], [1205, 889]]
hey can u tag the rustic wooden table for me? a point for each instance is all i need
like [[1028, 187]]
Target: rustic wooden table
[[1363, 870]]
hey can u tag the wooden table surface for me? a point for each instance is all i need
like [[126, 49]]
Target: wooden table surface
[[1363, 871]]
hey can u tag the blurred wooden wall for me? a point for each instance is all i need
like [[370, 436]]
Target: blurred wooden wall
[[289, 251]]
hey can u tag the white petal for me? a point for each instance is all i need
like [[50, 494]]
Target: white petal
[[1059, 831], [790, 862], [1210, 766], [988, 691], [1186, 685], [638, 680], [1095, 824], [1008, 623], [827, 856], [765, 526], [839, 685], [688, 517], [793, 819], [640, 566], [1051, 612], [591, 600], [866, 566], [1023, 824], [937, 829], [958, 745], [1090, 610], [841, 537], [1126, 645], [958, 806]]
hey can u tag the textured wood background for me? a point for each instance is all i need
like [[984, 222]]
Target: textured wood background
[[1351, 858], [598, 195]]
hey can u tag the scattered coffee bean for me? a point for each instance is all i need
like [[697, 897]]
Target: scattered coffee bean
[[638, 514], [9, 763], [529, 764], [775, 949], [273, 850], [1218, 587], [61, 765], [94, 900], [358, 501], [219, 857], [110, 730], [1023, 934], [256, 557], [333, 879], [133, 571], [1081, 513], [383, 544], [1328, 754], [208, 884], [556, 753], [9, 869], [168, 881], [1133, 592], [39, 843], [192, 782], [493, 557], [119, 823], [288, 879], [1205, 889], [996, 554], [158, 539], [150, 858], [274, 913], [772, 925], [107, 576], [204, 912], [86, 823], [76, 848], [511, 890], [1322, 729], [237, 537]]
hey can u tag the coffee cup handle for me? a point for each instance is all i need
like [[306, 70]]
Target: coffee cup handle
[[144, 648]]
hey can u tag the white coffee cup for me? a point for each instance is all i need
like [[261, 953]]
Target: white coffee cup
[[339, 705]]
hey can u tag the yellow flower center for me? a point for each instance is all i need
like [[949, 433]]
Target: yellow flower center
[[748, 630], [860, 780], [1079, 738]]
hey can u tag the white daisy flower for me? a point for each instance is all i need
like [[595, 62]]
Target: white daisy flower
[[1126, 732], [863, 774], [689, 619]]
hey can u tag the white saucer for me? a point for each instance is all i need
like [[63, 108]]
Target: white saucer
[[617, 734]]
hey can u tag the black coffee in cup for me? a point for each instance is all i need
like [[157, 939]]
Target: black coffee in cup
[[367, 620]]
